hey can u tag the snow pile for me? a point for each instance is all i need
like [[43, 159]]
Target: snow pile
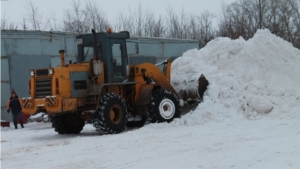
[[39, 117], [247, 78]]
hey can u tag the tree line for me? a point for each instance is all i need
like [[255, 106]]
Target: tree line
[[240, 18], [244, 17]]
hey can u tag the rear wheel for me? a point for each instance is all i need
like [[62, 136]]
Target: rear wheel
[[163, 106], [69, 123], [111, 116]]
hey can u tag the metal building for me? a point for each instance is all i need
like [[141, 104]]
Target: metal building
[[25, 50]]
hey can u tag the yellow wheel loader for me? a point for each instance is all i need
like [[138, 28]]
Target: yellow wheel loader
[[102, 89]]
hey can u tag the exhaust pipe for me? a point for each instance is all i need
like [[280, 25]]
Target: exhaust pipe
[[62, 58]]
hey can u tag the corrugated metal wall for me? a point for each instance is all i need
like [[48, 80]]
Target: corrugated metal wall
[[25, 50]]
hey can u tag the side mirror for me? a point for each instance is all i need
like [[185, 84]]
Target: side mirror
[[137, 48]]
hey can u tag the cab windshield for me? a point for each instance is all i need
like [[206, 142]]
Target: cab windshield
[[89, 54]]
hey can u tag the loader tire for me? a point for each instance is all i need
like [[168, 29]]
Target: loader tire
[[111, 116], [69, 123], [74, 123], [139, 123], [58, 125], [163, 106]]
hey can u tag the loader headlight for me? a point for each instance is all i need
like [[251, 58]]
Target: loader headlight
[[51, 71], [31, 73]]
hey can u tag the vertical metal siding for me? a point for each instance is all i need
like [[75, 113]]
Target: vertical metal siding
[[5, 87]]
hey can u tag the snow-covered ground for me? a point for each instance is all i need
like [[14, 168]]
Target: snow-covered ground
[[265, 143], [250, 118]]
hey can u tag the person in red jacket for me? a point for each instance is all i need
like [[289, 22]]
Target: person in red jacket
[[15, 104]]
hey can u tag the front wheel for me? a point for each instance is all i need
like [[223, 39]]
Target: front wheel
[[111, 116], [69, 123], [163, 106]]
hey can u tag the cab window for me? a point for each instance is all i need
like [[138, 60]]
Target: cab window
[[88, 53], [117, 61]]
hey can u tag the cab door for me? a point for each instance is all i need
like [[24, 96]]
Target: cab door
[[118, 60]]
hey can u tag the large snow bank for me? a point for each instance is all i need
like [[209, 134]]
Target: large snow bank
[[247, 78]]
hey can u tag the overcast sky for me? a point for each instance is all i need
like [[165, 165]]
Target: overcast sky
[[15, 9]]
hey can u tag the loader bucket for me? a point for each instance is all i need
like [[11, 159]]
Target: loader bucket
[[193, 91]]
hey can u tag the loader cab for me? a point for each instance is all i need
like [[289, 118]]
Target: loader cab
[[108, 47]]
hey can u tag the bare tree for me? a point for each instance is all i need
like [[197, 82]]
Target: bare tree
[[53, 23], [159, 28], [3, 22], [33, 16], [6, 25], [74, 18], [124, 23], [139, 21], [84, 18], [151, 26], [142, 22], [177, 24], [134, 22], [94, 17], [244, 17], [206, 30], [24, 23]]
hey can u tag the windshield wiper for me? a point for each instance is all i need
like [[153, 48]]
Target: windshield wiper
[[86, 53]]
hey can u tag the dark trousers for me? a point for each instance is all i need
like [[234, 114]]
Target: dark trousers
[[19, 116]]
